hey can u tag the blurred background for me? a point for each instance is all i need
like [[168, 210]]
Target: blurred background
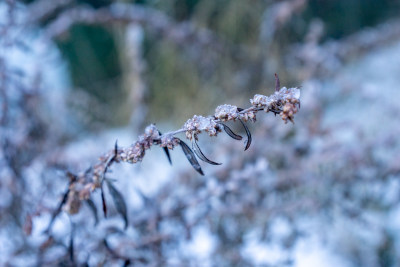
[[76, 75]]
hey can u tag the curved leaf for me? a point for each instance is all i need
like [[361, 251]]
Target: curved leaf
[[72, 178], [230, 132], [119, 202], [190, 156], [71, 246], [103, 200], [248, 141], [93, 208], [200, 154]]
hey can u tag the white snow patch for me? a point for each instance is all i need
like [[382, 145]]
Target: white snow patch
[[311, 252], [201, 246]]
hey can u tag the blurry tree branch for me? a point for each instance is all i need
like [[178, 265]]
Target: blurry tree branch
[[120, 13], [276, 16], [326, 58], [41, 10]]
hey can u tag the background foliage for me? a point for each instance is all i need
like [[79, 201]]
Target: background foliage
[[322, 191]]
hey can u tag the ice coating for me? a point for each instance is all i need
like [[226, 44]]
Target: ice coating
[[199, 123], [285, 102], [226, 112]]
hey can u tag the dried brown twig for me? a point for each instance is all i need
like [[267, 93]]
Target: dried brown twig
[[284, 102]]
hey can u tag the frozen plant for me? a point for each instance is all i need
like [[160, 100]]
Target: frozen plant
[[284, 102]]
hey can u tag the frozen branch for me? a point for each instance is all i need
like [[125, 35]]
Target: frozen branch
[[284, 102]]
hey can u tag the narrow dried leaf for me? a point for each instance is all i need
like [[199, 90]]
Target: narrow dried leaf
[[119, 202], [166, 150], [277, 83], [71, 248], [103, 201], [93, 208], [190, 156], [200, 154], [116, 148], [248, 141], [230, 132], [58, 210], [110, 160]]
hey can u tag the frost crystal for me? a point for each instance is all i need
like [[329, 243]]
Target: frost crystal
[[226, 112], [169, 141], [199, 123], [151, 131], [291, 93], [259, 100], [285, 102]]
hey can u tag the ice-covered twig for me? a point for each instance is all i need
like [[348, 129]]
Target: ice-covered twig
[[285, 102]]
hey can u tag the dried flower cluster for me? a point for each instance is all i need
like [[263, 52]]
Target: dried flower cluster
[[284, 102], [199, 123]]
